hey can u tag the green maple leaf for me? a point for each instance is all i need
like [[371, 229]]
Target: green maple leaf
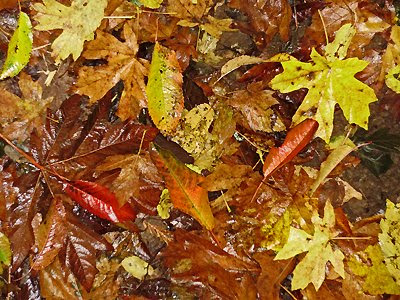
[[330, 81], [78, 22], [311, 268]]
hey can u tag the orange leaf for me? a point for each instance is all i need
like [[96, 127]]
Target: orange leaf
[[184, 187], [296, 139]]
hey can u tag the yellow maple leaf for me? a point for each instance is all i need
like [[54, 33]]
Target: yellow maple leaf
[[122, 64], [330, 80], [311, 268], [78, 22]]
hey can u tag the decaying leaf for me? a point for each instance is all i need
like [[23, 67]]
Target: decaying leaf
[[19, 48], [184, 187], [165, 205], [137, 267], [78, 22], [188, 9], [122, 64], [164, 89], [329, 80], [371, 267], [311, 268], [389, 239]]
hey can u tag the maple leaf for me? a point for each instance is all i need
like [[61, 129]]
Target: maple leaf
[[184, 187], [78, 22], [329, 80], [20, 115], [311, 268], [377, 279], [122, 64], [164, 89], [389, 239]]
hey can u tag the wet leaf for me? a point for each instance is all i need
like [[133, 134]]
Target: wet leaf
[[19, 48], [165, 205], [5, 252], [389, 239], [137, 267], [377, 279], [99, 201], [164, 89], [50, 235], [329, 80], [311, 268], [184, 187], [296, 139], [334, 158], [122, 64], [78, 23]]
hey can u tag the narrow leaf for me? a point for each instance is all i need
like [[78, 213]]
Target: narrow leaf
[[5, 251], [334, 158], [164, 89], [296, 139], [19, 48], [184, 187], [99, 201], [51, 235]]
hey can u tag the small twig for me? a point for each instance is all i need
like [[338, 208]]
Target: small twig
[[287, 291]]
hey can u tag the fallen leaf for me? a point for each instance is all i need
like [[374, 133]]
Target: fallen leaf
[[151, 3], [296, 139], [239, 61], [164, 89], [50, 235], [165, 205], [122, 64], [137, 267], [184, 187], [352, 95], [5, 252], [389, 239], [311, 268], [377, 279], [183, 9], [19, 48], [333, 159], [99, 201], [78, 23]]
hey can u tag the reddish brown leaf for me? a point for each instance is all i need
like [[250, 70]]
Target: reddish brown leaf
[[184, 187], [50, 235], [296, 139], [99, 201], [80, 251]]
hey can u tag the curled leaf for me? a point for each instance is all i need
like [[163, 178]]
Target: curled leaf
[[19, 48]]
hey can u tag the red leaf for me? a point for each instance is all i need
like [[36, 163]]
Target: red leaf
[[296, 139], [99, 201]]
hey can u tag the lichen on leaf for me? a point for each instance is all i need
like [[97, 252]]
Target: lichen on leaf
[[330, 80]]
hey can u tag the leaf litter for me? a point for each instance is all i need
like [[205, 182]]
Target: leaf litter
[[148, 152]]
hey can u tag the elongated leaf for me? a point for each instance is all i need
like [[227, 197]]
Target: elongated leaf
[[51, 235], [5, 252], [334, 158], [183, 185], [19, 48], [164, 89], [99, 201], [296, 139]]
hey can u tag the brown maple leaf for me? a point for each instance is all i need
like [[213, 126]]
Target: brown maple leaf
[[122, 64], [20, 115], [189, 9]]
